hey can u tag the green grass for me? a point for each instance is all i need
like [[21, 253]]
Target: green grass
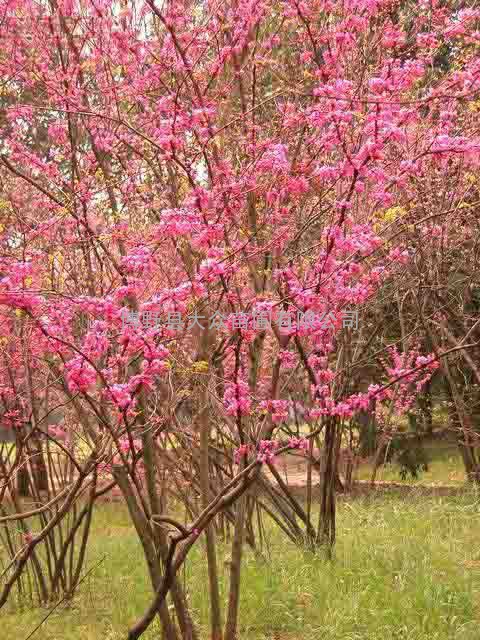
[[402, 569], [445, 467]]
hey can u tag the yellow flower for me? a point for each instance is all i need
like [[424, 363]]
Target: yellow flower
[[474, 105], [200, 367], [391, 214]]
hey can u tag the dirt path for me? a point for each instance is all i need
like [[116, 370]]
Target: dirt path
[[293, 471]]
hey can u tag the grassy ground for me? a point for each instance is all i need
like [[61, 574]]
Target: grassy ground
[[445, 467], [402, 569]]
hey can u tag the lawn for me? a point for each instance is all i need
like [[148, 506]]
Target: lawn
[[445, 467], [402, 569]]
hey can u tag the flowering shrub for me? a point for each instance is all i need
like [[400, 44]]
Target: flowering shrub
[[246, 159]]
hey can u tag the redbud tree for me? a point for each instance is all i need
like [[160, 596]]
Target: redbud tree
[[216, 164]]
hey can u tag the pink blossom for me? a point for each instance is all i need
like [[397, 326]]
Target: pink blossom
[[274, 159], [236, 399], [81, 376], [120, 395], [241, 452], [267, 450]]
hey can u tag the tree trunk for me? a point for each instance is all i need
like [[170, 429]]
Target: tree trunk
[[326, 528], [204, 466], [235, 570]]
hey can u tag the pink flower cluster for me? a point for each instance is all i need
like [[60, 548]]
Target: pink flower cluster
[[278, 409], [298, 443], [274, 159], [210, 269], [177, 222], [120, 395], [96, 343], [138, 262], [242, 451], [12, 418], [81, 376], [288, 359], [236, 399], [126, 448], [267, 450]]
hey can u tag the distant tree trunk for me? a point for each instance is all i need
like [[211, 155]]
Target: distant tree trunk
[[326, 528], [412, 421], [23, 476], [425, 405], [368, 432], [459, 418], [461, 423], [349, 466], [39, 467], [23, 482]]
